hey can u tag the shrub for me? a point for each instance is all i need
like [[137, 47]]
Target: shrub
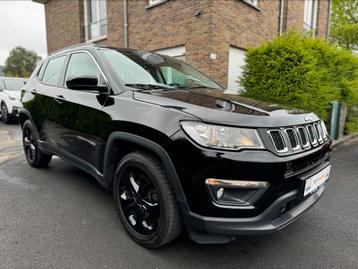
[[301, 72]]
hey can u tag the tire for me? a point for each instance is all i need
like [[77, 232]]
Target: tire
[[33, 154], [6, 118], [146, 195]]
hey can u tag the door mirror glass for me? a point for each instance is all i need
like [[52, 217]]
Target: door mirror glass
[[85, 83]]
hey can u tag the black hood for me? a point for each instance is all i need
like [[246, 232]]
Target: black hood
[[217, 107]]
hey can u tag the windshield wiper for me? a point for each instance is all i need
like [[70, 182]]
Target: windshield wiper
[[149, 86], [200, 87]]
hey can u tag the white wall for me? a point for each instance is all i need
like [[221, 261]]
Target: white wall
[[236, 63], [176, 52]]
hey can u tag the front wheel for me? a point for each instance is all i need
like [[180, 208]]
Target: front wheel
[[33, 154], [5, 114], [145, 202]]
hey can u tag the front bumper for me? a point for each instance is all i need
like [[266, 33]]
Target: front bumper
[[14, 108], [281, 204], [15, 111], [272, 219]]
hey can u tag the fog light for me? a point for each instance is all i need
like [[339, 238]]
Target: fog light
[[231, 193], [220, 193]]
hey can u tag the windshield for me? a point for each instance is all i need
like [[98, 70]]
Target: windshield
[[146, 68], [14, 84]]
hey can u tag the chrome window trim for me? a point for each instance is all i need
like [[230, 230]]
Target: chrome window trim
[[93, 58]]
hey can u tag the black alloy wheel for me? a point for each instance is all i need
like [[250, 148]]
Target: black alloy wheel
[[139, 201], [34, 156], [145, 201], [4, 114], [29, 144]]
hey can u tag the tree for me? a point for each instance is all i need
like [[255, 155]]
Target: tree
[[21, 62], [344, 24]]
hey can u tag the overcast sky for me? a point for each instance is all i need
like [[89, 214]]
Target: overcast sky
[[22, 23]]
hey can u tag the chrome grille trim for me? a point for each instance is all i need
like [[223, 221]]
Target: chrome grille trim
[[298, 138], [318, 129], [283, 141], [324, 131], [294, 142], [304, 134], [312, 134]]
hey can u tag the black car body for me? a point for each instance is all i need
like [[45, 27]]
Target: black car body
[[219, 191]]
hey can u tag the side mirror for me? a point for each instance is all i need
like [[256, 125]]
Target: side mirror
[[85, 83]]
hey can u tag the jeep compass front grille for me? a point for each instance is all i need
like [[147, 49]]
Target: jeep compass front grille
[[297, 138], [278, 140]]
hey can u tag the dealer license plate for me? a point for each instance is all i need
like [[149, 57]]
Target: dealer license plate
[[313, 182]]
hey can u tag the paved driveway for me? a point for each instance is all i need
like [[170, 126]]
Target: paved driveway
[[61, 218]]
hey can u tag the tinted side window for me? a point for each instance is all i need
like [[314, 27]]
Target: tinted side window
[[82, 64], [53, 71], [41, 71]]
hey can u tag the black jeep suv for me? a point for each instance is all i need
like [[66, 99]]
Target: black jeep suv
[[177, 150]]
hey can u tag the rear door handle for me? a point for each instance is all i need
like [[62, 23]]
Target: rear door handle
[[59, 99]]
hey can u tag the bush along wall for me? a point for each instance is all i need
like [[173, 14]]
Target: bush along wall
[[302, 72]]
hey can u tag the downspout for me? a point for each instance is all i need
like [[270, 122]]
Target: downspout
[[329, 18], [125, 20], [282, 17]]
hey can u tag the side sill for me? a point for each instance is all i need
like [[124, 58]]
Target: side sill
[[74, 160]]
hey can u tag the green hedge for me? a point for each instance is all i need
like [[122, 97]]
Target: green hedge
[[301, 72]]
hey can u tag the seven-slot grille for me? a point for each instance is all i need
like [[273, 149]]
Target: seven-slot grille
[[298, 138]]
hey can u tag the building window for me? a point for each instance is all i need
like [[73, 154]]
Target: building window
[[251, 2], [95, 19], [177, 52], [155, 2], [236, 63], [310, 17]]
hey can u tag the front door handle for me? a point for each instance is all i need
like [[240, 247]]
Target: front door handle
[[59, 99]]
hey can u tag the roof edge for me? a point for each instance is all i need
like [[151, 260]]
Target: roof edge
[[40, 1]]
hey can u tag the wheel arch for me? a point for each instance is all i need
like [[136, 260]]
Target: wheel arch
[[24, 115], [3, 103], [121, 143]]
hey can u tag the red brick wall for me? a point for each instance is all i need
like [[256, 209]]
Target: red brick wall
[[64, 23], [238, 24], [170, 24], [322, 18], [222, 23], [295, 15], [115, 23]]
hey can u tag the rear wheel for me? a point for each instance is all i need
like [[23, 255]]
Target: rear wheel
[[33, 154], [6, 118], [145, 202]]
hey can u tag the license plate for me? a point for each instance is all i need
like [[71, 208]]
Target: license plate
[[313, 182]]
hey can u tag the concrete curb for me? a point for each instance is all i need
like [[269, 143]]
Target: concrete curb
[[344, 140]]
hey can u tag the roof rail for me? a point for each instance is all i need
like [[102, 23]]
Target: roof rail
[[72, 47]]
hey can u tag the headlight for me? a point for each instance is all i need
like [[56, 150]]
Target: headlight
[[12, 98], [222, 137]]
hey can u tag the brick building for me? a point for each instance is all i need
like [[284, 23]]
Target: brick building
[[212, 35]]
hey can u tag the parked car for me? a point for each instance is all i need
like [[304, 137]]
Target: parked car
[[176, 150], [10, 94]]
